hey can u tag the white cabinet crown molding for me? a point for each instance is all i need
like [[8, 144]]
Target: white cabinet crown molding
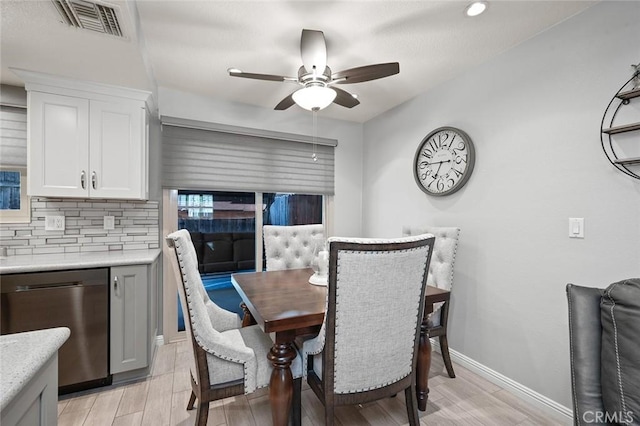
[[44, 82]]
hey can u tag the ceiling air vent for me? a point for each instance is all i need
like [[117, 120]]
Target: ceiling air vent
[[89, 16]]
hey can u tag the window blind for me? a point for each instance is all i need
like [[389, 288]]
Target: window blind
[[207, 156], [13, 136]]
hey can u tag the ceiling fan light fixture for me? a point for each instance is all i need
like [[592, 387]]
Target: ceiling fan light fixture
[[476, 8], [314, 98]]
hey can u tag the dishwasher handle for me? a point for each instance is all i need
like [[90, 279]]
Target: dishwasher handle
[[20, 288]]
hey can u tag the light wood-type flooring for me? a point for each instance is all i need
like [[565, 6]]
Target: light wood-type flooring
[[162, 399]]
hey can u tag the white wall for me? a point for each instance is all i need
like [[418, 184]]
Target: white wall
[[534, 116], [348, 165]]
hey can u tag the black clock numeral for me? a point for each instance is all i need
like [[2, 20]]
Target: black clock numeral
[[425, 175], [435, 145], [443, 141], [452, 139], [427, 153], [457, 172], [460, 147], [440, 184], [450, 183], [459, 159]]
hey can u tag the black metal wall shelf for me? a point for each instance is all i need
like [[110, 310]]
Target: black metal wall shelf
[[630, 90]]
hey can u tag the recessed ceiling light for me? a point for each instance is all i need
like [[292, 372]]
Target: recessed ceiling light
[[476, 8]]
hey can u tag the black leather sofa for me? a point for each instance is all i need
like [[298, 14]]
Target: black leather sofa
[[604, 333], [224, 251]]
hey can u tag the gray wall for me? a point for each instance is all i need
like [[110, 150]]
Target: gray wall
[[534, 116]]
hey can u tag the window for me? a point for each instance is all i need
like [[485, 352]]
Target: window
[[14, 203], [224, 234]]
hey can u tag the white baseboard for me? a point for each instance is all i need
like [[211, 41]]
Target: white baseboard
[[540, 401]]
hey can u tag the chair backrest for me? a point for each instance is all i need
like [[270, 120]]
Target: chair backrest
[[375, 308], [444, 253], [291, 247], [585, 334], [199, 311]]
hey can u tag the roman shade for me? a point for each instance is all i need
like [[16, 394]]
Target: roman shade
[[13, 136], [209, 156]]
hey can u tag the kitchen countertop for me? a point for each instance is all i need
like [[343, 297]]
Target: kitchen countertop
[[23, 354], [62, 261]]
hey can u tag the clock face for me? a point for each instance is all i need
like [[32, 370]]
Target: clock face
[[444, 161]]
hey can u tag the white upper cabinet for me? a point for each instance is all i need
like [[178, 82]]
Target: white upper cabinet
[[85, 141], [117, 150]]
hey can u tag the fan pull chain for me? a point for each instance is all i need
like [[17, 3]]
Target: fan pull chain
[[314, 156]]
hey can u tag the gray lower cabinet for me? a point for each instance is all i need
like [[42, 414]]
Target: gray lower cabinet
[[129, 318], [37, 402]]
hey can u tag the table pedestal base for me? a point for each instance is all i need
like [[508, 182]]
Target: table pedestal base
[[281, 383]]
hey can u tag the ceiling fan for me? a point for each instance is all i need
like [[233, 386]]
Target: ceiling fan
[[318, 81]]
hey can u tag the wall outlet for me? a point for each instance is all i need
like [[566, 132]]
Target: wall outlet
[[109, 222], [54, 223]]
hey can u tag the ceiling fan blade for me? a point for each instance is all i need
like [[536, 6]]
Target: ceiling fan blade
[[345, 98], [313, 50], [268, 77], [285, 103], [366, 73]]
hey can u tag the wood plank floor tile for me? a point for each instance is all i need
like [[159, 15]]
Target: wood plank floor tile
[[133, 419], [216, 414], [531, 412], [182, 380], [238, 411], [165, 359], [157, 409], [467, 400], [73, 418], [179, 413], [490, 411], [375, 415], [261, 409], [104, 409], [133, 398], [83, 403], [62, 405]]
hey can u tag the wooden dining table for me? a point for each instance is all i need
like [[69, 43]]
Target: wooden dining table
[[284, 303]]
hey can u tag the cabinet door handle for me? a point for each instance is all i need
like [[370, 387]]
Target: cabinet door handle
[[82, 180], [115, 283], [94, 180]]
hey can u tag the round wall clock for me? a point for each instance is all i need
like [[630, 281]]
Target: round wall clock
[[444, 161]]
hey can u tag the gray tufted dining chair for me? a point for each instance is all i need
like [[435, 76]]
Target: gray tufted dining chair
[[441, 276], [368, 345], [291, 247], [227, 360]]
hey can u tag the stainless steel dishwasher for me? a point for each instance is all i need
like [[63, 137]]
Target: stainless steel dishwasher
[[77, 299]]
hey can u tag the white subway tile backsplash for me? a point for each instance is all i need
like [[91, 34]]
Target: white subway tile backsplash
[[136, 227]]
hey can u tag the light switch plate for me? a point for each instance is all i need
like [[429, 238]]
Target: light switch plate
[[576, 227], [109, 222], [54, 223]]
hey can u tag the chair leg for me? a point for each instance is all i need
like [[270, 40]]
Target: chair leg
[[296, 404], [192, 401], [328, 414], [202, 414], [444, 348], [412, 405]]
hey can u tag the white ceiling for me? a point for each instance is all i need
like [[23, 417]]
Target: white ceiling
[[188, 45]]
